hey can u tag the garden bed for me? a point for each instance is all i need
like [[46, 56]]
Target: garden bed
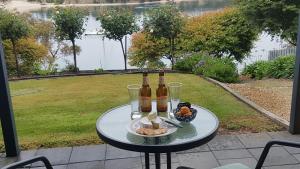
[[274, 95]]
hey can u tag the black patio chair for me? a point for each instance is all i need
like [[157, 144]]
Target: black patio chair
[[261, 158], [24, 163]]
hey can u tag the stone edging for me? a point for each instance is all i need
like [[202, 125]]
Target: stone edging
[[258, 108]]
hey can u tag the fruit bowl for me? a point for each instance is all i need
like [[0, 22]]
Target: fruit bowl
[[184, 112]]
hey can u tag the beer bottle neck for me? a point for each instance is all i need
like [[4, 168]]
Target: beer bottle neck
[[145, 81], [161, 81]]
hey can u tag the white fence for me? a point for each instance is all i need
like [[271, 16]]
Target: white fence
[[273, 54]]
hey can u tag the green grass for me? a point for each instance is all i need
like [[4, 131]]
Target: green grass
[[63, 111]]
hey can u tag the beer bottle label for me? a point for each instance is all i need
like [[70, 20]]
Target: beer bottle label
[[146, 104], [162, 103]]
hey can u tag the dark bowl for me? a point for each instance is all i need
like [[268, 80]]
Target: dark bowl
[[186, 104], [185, 119]]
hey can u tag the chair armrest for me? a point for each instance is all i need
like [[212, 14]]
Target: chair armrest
[[268, 146], [29, 161]]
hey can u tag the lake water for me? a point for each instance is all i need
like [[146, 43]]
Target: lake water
[[98, 52]]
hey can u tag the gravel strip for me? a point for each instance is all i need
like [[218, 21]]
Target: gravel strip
[[272, 94]]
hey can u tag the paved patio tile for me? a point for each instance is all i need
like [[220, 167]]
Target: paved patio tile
[[224, 149], [276, 156], [56, 156], [7, 160], [297, 156], [292, 150], [284, 135], [87, 165], [54, 167], [88, 153], [225, 142], [284, 167], [202, 148], [254, 140], [228, 154], [203, 160], [26, 154], [124, 163], [163, 159], [164, 166], [114, 153], [250, 162], [22, 156]]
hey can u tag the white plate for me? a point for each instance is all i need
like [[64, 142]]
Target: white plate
[[135, 124]]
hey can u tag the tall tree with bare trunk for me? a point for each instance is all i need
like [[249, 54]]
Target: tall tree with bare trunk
[[117, 24], [69, 25]]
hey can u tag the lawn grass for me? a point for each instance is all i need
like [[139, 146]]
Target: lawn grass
[[63, 111]]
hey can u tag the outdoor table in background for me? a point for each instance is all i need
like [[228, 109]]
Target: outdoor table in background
[[112, 129]]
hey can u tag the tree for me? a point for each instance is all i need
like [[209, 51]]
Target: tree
[[277, 17], [30, 52], [222, 33], [13, 28], [145, 51], [44, 32], [69, 24], [166, 22], [117, 24]]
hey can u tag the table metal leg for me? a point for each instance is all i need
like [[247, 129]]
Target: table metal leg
[[147, 165], [157, 160], [169, 161]]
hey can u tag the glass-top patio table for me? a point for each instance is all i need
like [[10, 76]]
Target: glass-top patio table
[[112, 129]]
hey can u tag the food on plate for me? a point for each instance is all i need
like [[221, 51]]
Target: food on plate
[[151, 131], [151, 125], [151, 121], [155, 125], [184, 111], [152, 116]]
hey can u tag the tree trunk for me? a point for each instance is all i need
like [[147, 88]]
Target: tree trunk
[[74, 54], [16, 57], [124, 54], [171, 52]]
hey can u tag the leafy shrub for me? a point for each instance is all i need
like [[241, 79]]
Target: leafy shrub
[[54, 1], [38, 70], [42, 72], [221, 69], [257, 70], [70, 68], [282, 67], [188, 64], [99, 70]]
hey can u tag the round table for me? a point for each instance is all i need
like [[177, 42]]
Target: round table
[[112, 129]]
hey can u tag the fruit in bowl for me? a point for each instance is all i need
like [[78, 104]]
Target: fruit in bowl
[[185, 113]]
